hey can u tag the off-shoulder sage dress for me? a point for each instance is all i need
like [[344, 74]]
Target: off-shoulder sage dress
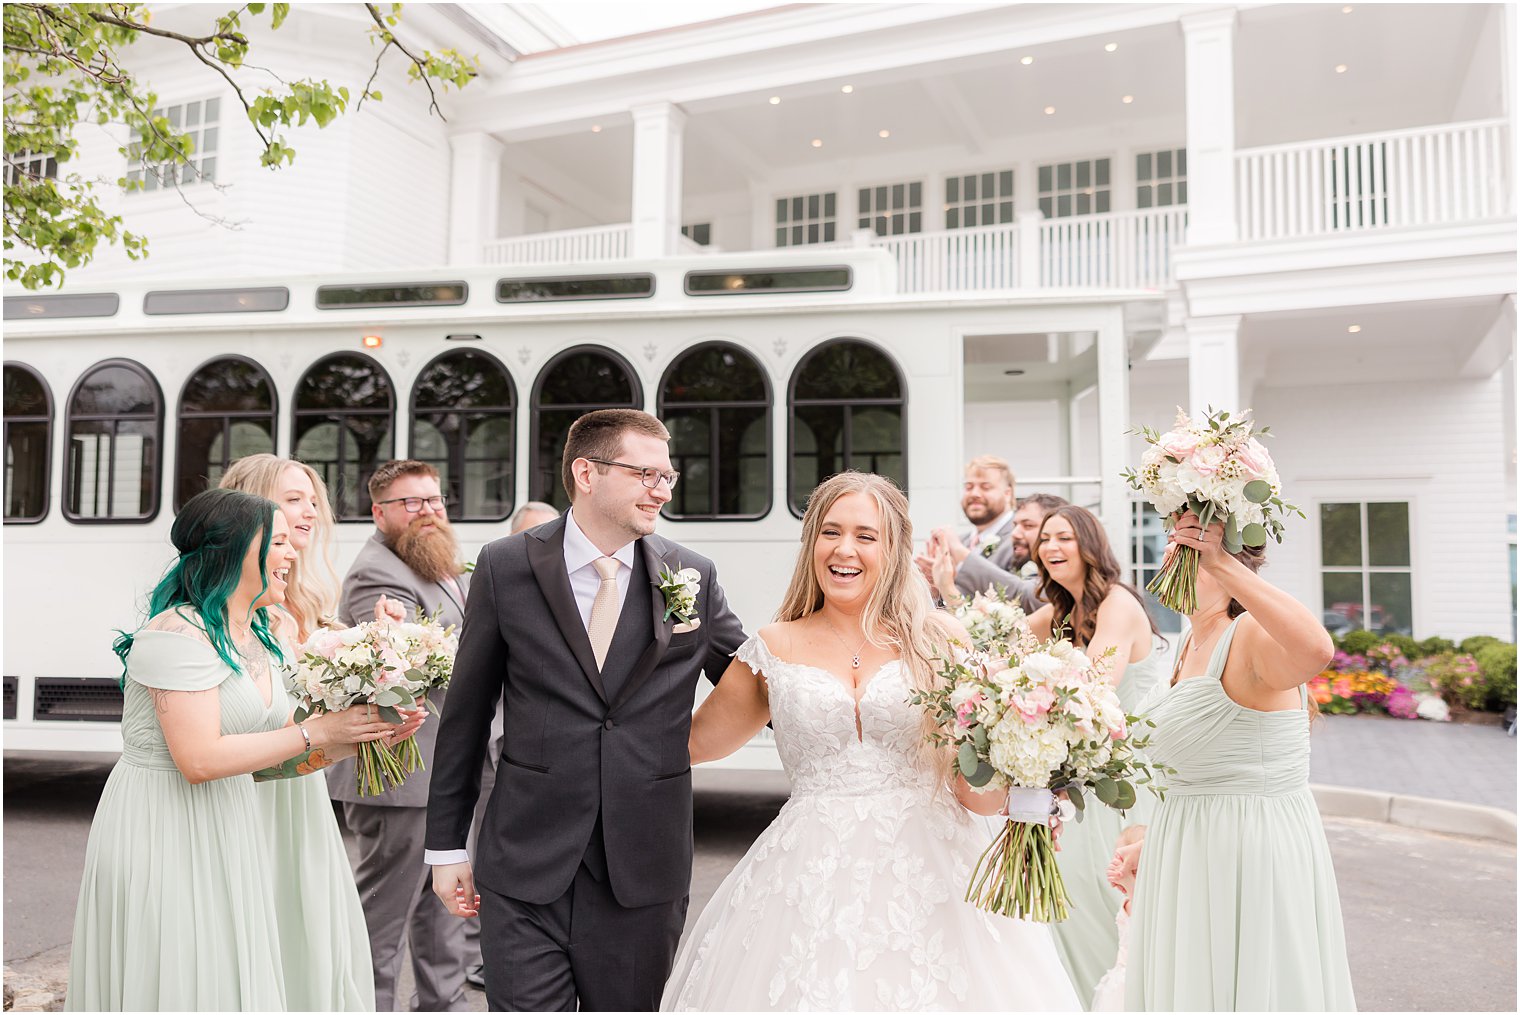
[[1235, 906], [1088, 939], [324, 942], [176, 908]]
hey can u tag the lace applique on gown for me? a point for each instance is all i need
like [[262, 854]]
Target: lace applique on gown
[[852, 898]]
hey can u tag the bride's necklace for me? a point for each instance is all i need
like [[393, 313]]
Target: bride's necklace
[[854, 656]]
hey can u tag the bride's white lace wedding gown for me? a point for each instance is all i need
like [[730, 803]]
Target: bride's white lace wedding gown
[[852, 898]]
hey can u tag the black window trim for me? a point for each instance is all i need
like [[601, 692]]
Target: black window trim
[[653, 285], [296, 412], [273, 415], [534, 409], [770, 419], [158, 442], [849, 280], [510, 411], [47, 462], [847, 403]]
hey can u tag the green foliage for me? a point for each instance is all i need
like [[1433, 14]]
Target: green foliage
[[62, 69], [1496, 661], [1472, 646], [1434, 646], [1360, 642], [1405, 644]]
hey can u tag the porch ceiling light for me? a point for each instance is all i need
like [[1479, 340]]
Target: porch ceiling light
[[1127, 99], [596, 128], [1354, 328], [817, 142], [1347, 9], [1050, 110], [775, 100], [372, 341], [1109, 47], [883, 133], [847, 89], [1340, 68], [1026, 60]]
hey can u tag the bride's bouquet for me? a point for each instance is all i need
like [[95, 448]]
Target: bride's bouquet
[[992, 621], [1033, 719], [381, 663], [1216, 468]]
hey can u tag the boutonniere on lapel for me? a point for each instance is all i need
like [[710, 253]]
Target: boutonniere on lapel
[[468, 567], [990, 546], [680, 589]]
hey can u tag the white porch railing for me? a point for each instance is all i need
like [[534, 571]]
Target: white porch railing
[[1451, 173], [1119, 250], [955, 260], [564, 246]]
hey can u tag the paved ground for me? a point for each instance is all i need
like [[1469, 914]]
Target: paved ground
[[1430, 918], [1450, 761]]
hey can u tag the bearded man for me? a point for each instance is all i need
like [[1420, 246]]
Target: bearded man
[[413, 559]]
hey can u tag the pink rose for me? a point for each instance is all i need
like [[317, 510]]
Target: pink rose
[[1179, 444], [1207, 460], [965, 713], [1034, 703], [325, 642], [1254, 458]]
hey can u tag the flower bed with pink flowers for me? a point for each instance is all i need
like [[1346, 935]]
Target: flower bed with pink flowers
[[1406, 679]]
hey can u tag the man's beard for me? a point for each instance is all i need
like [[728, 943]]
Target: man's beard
[[1020, 556], [979, 514], [433, 555]]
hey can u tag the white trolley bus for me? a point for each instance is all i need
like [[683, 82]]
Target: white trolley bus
[[772, 372]]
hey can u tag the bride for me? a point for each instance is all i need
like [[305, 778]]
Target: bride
[[852, 898]]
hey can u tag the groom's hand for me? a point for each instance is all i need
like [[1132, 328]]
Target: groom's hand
[[454, 884]]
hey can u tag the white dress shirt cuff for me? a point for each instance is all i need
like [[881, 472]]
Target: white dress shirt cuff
[[443, 857]]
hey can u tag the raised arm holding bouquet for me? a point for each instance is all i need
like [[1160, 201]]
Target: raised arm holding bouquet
[[1216, 468]]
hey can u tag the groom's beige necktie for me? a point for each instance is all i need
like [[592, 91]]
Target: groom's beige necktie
[[604, 609]]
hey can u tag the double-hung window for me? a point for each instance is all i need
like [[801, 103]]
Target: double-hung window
[[201, 122], [1366, 574]]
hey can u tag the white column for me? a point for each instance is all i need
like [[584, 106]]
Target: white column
[[1213, 361], [1113, 420], [1209, 41], [474, 195], [658, 131]]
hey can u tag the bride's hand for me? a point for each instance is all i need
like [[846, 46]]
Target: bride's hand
[[389, 610]]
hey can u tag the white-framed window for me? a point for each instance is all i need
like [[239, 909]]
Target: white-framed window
[[891, 209], [806, 218], [30, 165], [699, 233], [1366, 574], [1161, 178], [1079, 187], [1147, 547], [201, 121], [979, 199]]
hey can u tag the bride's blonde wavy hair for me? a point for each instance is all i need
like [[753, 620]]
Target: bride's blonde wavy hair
[[899, 613], [311, 596]]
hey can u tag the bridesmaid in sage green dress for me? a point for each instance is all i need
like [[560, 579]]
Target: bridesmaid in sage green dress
[[1080, 581], [1235, 905], [176, 907]]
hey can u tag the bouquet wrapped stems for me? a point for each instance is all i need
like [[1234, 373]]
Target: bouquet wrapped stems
[[379, 769], [1176, 584], [1017, 875]]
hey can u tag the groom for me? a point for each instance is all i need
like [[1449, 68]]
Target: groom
[[584, 861]]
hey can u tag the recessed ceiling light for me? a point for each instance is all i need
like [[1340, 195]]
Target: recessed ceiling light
[[883, 133], [1347, 9], [1050, 110], [775, 100], [1340, 68], [847, 89], [817, 142], [596, 128], [1026, 60], [1110, 47], [1354, 328], [1127, 99]]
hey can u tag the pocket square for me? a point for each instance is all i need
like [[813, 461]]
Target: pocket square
[[686, 628]]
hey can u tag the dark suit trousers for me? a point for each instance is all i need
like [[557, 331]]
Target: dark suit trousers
[[581, 949]]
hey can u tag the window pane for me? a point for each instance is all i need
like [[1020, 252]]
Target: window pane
[[346, 381], [110, 467], [488, 474], [114, 391], [953, 218], [25, 394], [1388, 535], [587, 378], [1181, 161], [970, 194], [899, 195], [1047, 207], [828, 232], [1084, 174], [846, 370], [1005, 211], [876, 441], [1045, 178], [345, 450], [1163, 164], [817, 449], [781, 211], [714, 373], [1164, 194], [1392, 609], [1102, 172], [1102, 203], [1005, 183], [544, 484], [953, 189], [1340, 535], [1063, 206], [1084, 204], [780, 237], [813, 236], [915, 194], [26, 468], [1182, 192], [228, 385], [204, 451], [1143, 168], [863, 202], [970, 215], [797, 210], [1142, 197], [828, 205], [1343, 601], [464, 380], [1063, 176], [916, 222], [814, 206]]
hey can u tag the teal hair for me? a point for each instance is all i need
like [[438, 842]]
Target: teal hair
[[212, 533]]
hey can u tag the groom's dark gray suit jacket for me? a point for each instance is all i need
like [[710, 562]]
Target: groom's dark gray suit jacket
[[577, 742]]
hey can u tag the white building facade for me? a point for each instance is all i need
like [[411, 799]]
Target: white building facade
[[1305, 210]]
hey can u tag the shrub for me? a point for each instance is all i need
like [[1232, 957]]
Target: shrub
[[1359, 642], [1497, 663], [1472, 646], [1433, 647], [1406, 645], [1457, 679]]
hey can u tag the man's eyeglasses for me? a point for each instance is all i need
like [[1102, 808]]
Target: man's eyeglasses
[[650, 477], [414, 504]]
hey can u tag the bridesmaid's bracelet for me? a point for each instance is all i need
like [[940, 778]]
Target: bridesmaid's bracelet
[[305, 736]]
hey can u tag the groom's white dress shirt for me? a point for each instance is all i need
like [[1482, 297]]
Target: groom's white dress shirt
[[580, 557]]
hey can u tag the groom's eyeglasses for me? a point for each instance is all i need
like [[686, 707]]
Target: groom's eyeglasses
[[650, 477], [414, 504]]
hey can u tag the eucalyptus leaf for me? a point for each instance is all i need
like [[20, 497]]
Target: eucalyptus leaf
[[1106, 790], [968, 760], [1126, 797], [982, 776], [1257, 491], [1254, 535], [390, 715]]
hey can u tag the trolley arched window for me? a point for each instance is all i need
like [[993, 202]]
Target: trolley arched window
[[716, 402], [115, 450], [462, 415], [28, 443], [846, 413], [572, 384], [226, 411], [345, 411]]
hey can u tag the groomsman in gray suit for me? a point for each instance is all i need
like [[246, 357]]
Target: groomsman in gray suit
[[412, 558]]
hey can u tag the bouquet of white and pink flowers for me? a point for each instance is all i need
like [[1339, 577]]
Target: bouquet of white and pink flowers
[[991, 620], [1216, 468], [385, 664], [1034, 719]]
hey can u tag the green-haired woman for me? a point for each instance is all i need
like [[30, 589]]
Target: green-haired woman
[[176, 907]]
